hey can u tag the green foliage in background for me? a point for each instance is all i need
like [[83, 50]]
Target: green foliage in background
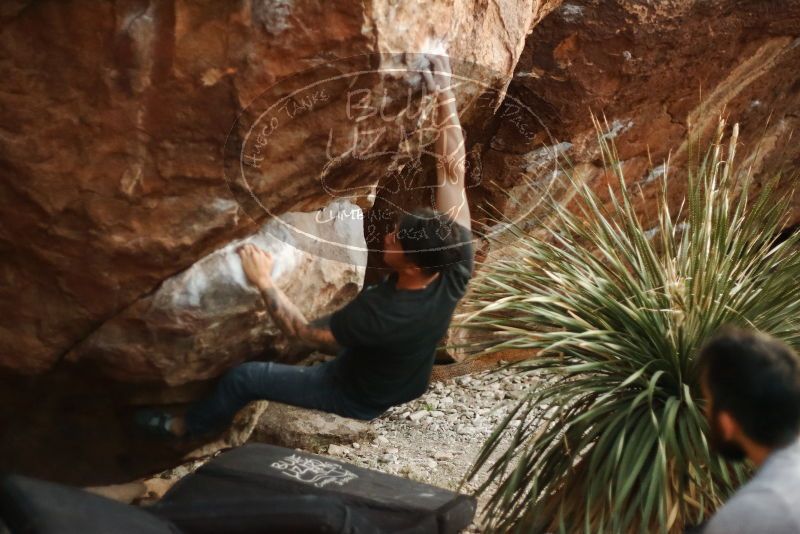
[[614, 438]]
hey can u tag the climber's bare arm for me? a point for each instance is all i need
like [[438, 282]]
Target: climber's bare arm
[[290, 320], [317, 335], [451, 197]]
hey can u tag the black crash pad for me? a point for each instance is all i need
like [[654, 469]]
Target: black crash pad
[[30, 506], [242, 478]]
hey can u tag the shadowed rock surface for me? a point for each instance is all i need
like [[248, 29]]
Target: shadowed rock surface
[[200, 322]]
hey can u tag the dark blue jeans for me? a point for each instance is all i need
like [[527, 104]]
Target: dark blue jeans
[[317, 387]]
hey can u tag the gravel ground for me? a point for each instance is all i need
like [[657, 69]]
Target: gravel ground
[[436, 438]]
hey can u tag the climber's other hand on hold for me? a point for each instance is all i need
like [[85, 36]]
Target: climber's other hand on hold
[[257, 265], [438, 74]]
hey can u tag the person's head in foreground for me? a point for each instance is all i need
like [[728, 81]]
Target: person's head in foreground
[[751, 383], [752, 387], [424, 242]]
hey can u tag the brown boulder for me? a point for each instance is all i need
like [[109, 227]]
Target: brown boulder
[[310, 430], [125, 129], [116, 118]]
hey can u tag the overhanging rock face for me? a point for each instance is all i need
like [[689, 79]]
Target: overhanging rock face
[[200, 322], [119, 215], [116, 117]]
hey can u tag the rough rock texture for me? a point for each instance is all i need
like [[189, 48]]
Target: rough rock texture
[[112, 140], [289, 426], [115, 117], [201, 321], [661, 73]]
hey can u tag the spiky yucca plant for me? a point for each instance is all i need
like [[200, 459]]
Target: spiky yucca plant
[[614, 442]]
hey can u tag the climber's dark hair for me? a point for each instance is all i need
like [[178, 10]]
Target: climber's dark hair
[[756, 379], [432, 240]]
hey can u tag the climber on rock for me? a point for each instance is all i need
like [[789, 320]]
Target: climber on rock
[[385, 339]]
